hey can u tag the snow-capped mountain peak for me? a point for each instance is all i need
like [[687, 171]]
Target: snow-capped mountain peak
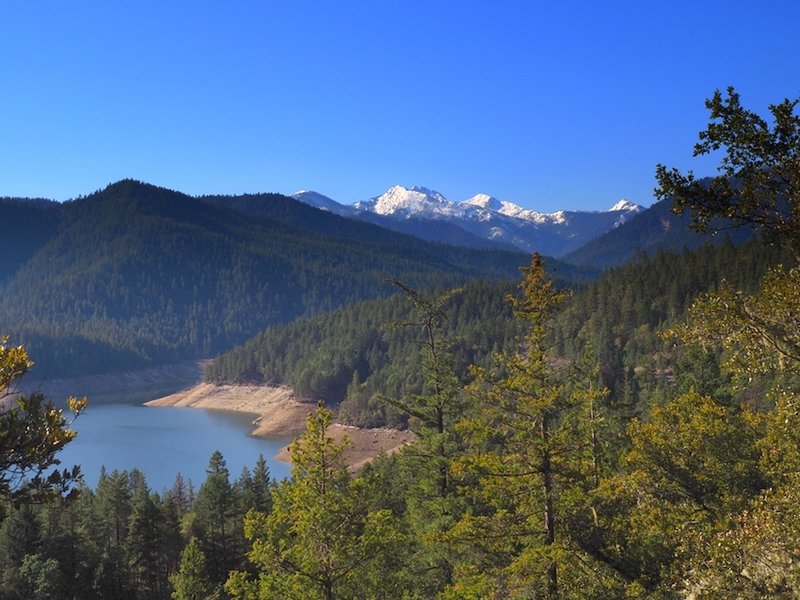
[[427, 213], [509, 209], [485, 201], [626, 210], [625, 205], [414, 201]]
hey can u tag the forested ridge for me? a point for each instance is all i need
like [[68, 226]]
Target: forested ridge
[[620, 315], [26, 225], [350, 356], [638, 440], [656, 229], [354, 356], [135, 275]]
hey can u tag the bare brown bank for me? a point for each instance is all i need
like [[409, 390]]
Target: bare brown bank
[[278, 413]]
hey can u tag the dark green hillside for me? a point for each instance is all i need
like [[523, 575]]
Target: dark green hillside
[[137, 273], [293, 213], [25, 226], [348, 355], [618, 316], [655, 229]]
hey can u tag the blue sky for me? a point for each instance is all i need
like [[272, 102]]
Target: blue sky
[[565, 105]]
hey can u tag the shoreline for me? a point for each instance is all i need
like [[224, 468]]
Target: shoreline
[[279, 413], [276, 410], [136, 385]]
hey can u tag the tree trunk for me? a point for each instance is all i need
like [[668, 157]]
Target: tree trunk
[[549, 511]]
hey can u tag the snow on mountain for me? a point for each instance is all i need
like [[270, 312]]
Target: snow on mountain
[[627, 210], [624, 205], [481, 217], [485, 201], [510, 209], [408, 202]]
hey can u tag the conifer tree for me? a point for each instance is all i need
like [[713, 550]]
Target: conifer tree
[[752, 547], [112, 577], [759, 180], [41, 578], [257, 487], [192, 581], [529, 444], [433, 500], [217, 522], [145, 547], [320, 539]]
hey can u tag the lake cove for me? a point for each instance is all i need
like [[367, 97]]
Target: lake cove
[[165, 441], [281, 413], [171, 436], [118, 432]]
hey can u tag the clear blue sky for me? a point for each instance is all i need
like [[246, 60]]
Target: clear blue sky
[[550, 105]]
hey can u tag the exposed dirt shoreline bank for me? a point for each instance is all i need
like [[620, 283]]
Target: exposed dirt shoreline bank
[[278, 413]]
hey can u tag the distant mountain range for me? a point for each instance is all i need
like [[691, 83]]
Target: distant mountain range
[[654, 229], [479, 221], [135, 274]]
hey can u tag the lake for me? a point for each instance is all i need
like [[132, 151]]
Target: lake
[[162, 442]]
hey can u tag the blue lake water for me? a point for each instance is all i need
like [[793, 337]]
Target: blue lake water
[[162, 442]]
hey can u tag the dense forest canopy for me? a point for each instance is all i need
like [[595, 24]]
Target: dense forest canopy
[[134, 274], [351, 357]]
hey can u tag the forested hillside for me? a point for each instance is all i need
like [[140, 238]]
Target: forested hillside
[[656, 229], [25, 226], [619, 315], [123, 540], [136, 274], [519, 481], [352, 357]]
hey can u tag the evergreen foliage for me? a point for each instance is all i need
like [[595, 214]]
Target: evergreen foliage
[[192, 582], [351, 358], [529, 481], [684, 498], [529, 448], [25, 226], [759, 177], [320, 538], [136, 274], [122, 541]]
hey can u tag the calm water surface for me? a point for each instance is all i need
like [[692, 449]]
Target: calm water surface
[[162, 442]]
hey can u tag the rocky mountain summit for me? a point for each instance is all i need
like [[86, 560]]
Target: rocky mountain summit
[[483, 217]]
